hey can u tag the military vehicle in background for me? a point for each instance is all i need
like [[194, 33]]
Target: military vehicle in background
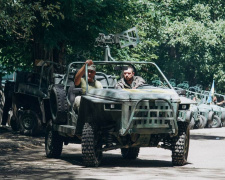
[[202, 117], [173, 82], [112, 118], [183, 85], [30, 99], [204, 114], [6, 89], [2, 102], [197, 88]]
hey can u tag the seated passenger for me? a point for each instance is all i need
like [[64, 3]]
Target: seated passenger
[[129, 81], [81, 82]]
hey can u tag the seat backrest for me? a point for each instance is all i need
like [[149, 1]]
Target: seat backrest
[[72, 93], [58, 78], [107, 81]]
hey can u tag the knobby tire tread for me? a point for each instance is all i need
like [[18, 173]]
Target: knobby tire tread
[[178, 145]]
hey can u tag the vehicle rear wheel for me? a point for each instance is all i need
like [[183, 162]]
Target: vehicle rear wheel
[[216, 122], [58, 105], [180, 145], [53, 142], [91, 146], [30, 123], [130, 153]]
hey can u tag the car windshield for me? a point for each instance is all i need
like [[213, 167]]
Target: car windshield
[[109, 73]]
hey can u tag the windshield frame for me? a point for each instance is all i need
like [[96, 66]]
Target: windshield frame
[[112, 62]]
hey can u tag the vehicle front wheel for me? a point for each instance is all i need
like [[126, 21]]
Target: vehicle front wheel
[[91, 146], [130, 153], [192, 123], [53, 143], [180, 145]]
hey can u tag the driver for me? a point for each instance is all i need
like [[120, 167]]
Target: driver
[[80, 82], [129, 81]]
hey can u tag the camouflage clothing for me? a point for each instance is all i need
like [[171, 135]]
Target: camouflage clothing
[[138, 81]]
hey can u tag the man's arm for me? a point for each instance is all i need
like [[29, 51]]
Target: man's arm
[[81, 72], [220, 103]]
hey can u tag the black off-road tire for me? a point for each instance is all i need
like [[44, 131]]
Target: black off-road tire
[[58, 105], [216, 122], [91, 146], [210, 116], [53, 142], [14, 123], [223, 117], [210, 119], [202, 122], [30, 123], [180, 145], [130, 153], [192, 123]]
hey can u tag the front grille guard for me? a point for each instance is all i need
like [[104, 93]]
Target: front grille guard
[[125, 131]]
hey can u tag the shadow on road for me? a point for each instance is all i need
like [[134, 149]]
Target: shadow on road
[[14, 141], [113, 160]]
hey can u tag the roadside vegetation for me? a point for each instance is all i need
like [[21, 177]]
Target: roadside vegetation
[[185, 38]]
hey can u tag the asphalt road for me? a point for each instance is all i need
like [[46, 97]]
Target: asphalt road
[[23, 157]]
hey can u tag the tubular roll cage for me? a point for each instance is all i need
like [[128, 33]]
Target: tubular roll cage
[[111, 62]]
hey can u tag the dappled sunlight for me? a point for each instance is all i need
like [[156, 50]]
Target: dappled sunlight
[[27, 160]]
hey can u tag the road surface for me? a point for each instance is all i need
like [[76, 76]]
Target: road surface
[[23, 157]]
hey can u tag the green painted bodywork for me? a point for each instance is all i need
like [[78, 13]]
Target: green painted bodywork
[[141, 112], [140, 109]]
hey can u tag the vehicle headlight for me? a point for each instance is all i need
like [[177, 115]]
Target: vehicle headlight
[[113, 106], [184, 106]]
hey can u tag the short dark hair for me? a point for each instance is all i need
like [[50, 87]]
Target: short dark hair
[[129, 67]]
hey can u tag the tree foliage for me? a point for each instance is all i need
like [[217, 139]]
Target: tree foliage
[[185, 38]]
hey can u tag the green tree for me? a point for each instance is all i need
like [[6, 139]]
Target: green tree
[[47, 30], [18, 19], [185, 38]]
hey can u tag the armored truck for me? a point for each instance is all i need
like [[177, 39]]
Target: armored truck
[[127, 119]]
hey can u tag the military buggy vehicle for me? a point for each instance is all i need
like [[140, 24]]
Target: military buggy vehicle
[[112, 118], [148, 116]]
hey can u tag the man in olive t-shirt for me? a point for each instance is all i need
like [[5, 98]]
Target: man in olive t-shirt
[[81, 82]]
